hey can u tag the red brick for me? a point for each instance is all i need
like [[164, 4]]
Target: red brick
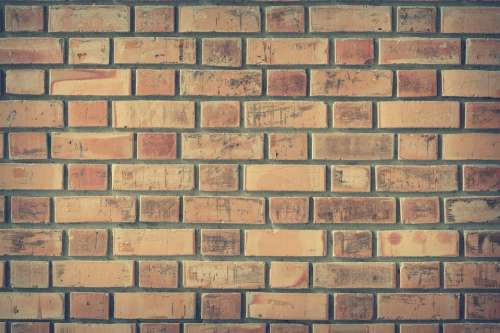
[[285, 19], [29, 327], [286, 82], [224, 328], [482, 306], [482, 115], [412, 50], [472, 275], [160, 327], [339, 328], [95, 146], [23, 18], [30, 209], [287, 146], [351, 178], [218, 177], [352, 243], [352, 114], [155, 82], [154, 50], [353, 306], [416, 178], [350, 51], [419, 275], [221, 306], [156, 146], [89, 328], [158, 274], [417, 146], [87, 113], [288, 210], [219, 19], [94, 18], [31, 50], [220, 242], [154, 18], [220, 114], [245, 82], [482, 243], [419, 210], [352, 146], [481, 178], [483, 51], [87, 242], [89, 305], [343, 18], [290, 275], [159, 208], [289, 328], [419, 328], [416, 19], [87, 177], [354, 210], [469, 327], [28, 146], [223, 209], [223, 52], [417, 83]]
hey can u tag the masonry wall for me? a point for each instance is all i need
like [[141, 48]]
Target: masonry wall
[[250, 167]]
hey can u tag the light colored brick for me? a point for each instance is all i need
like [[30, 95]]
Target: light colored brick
[[92, 209], [153, 242], [153, 177], [354, 210], [293, 243], [285, 114], [223, 209], [282, 177], [282, 306], [224, 274], [418, 243]]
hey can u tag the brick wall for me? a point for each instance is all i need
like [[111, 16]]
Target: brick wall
[[261, 167]]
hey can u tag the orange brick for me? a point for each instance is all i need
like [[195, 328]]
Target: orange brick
[[31, 50], [221, 306], [352, 114], [160, 327], [416, 19], [87, 113], [354, 210], [158, 305], [417, 83], [285, 114], [93, 274], [352, 146], [29, 327], [412, 50], [419, 328], [481, 178], [416, 178], [220, 242], [223, 209], [159, 208], [87, 242], [351, 82], [220, 114], [153, 242], [33, 242], [153, 177], [245, 82], [483, 51], [343, 18], [2, 210], [284, 146], [156, 146], [17, 176], [222, 146], [154, 50], [219, 19], [89, 328], [24, 81], [354, 275], [470, 83], [281, 177], [482, 306], [91, 177], [155, 82], [353, 306], [294, 243], [333, 328], [282, 306], [418, 243], [23, 18], [419, 275], [29, 113], [91, 18], [95, 82], [289, 328], [421, 306], [91, 209], [97, 146], [30, 305], [28, 146], [229, 327], [288, 210], [286, 82], [418, 114], [471, 146], [158, 274], [352, 243], [472, 275], [350, 51], [224, 52], [153, 114], [285, 19], [30, 209], [29, 274], [223, 274], [286, 51], [470, 20], [88, 51], [482, 243], [218, 177], [3, 275], [417, 146], [154, 18], [419, 210], [294, 275], [89, 305], [472, 209], [350, 178], [482, 115], [468, 327]]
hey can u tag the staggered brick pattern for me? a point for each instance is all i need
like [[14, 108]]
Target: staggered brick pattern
[[250, 167]]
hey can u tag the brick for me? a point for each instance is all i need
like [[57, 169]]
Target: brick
[[282, 177], [343, 275], [87, 242], [352, 243], [39, 176], [32, 242], [422, 306], [88, 51], [352, 114], [343, 18], [2, 210], [285, 19], [470, 20], [92, 209], [482, 306], [413, 50], [158, 274], [93, 82], [483, 51], [31, 50], [221, 306], [224, 328], [3, 275], [29, 327], [28, 146], [24, 81], [218, 177], [340, 328], [417, 83], [220, 242], [482, 243], [418, 114], [156, 146], [350, 178], [471, 146], [416, 19], [222, 146], [219, 19], [30, 305], [472, 209], [354, 210], [153, 114], [419, 328], [353, 306], [223, 274], [472, 275], [295, 243], [87, 177], [417, 146], [159, 328], [220, 114], [93, 274], [419, 275], [351, 82], [286, 51], [418, 243], [89, 305], [94, 18], [470, 83], [153, 177], [481, 178], [30, 209], [282, 306], [416, 178], [286, 82], [245, 82], [288, 210], [154, 19], [153, 242], [470, 327], [285, 114], [158, 305], [282, 146], [419, 210], [154, 50], [23, 18], [223, 52], [159, 208], [293, 275], [87, 113], [97, 146], [352, 146], [352, 51], [289, 328], [155, 82], [223, 209], [30, 113], [29, 274], [89, 328], [482, 115]]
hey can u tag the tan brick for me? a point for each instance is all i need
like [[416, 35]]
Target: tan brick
[[351, 82], [29, 209], [418, 114], [153, 114], [94, 82], [223, 52], [285, 177], [354, 275], [87, 113], [221, 306], [23, 18], [91, 209], [28, 327], [472, 209], [350, 178], [417, 83], [29, 274], [222, 146], [416, 178], [470, 83], [155, 82], [482, 306], [89, 305], [418, 243], [286, 82], [153, 177], [483, 51], [223, 209], [30, 113], [419, 328], [88, 51], [482, 115], [470, 20], [94, 18], [154, 50], [419, 210], [153, 242], [289, 328], [220, 242], [294, 243], [160, 327], [158, 274], [419, 275], [342, 18], [29, 305], [352, 114], [224, 274], [286, 51], [87, 242], [285, 114], [285, 19], [354, 210], [154, 18], [282, 146], [89, 328], [472, 275], [352, 146], [481, 178], [413, 50], [294, 275], [27, 146], [218, 177], [340, 328], [222, 328], [93, 274], [25, 81], [83, 177], [31, 50], [353, 306], [484, 243], [352, 243], [421, 306], [471, 146], [158, 305], [469, 327], [3, 280], [421, 146], [220, 114], [33, 242], [416, 19], [220, 82], [288, 210], [282, 306], [354, 51], [155, 208], [219, 19], [97, 146], [39, 176]]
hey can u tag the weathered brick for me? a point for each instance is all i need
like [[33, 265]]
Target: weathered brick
[[219, 19], [94, 18], [224, 274], [87, 177], [352, 243], [470, 20], [417, 83], [31, 50], [158, 274], [97, 146], [483, 51], [416, 178], [471, 146], [341, 275], [220, 114], [88, 51], [153, 114], [222, 328], [351, 178], [28, 146], [343, 18], [413, 50], [353, 306], [484, 243], [24, 81], [31, 113], [482, 115], [351, 82], [339, 328], [352, 146], [223, 52], [30, 305], [285, 51], [419, 275], [87, 113], [422, 146], [419, 210], [285, 19], [221, 306], [29, 274], [288, 210], [28, 327], [416, 19], [352, 114], [222, 146], [155, 82], [30, 209], [282, 177], [285, 114], [354, 210], [154, 18], [481, 178], [223, 209], [158, 305], [39, 176], [421, 306], [94, 82], [354, 51], [418, 114], [482, 306], [289, 328], [419, 328], [91, 209], [89, 305], [418, 243], [283, 146], [286, 82], [472, 209], [298, 306], [154, 50], [293, 275], [32, 242], [23, 18], [470, 327], [87, 242], [218, 177], [159, 208], [220, 242], [153, 242], [471, 275], [153, 177], [160, 328], [293, 243], [220, 82], [470, 83], [93, 274], [89, 328]]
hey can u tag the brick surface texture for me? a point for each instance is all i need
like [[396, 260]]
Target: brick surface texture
[[260, 166]]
